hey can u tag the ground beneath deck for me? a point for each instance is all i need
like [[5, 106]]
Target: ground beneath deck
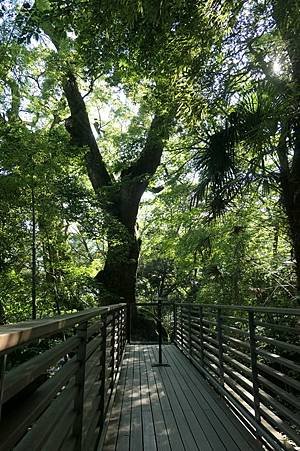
[[170, 408]]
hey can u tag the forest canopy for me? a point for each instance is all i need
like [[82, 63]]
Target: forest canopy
[[148, 149]]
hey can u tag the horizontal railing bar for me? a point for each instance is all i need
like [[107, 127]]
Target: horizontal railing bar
[[236, 364], [93, 329], [59, 433], [14, 426], [236, 388], [287, 413], [279, 391], [153, 304], [279, 310], [60, 410], [279, 375], [276, 358], [274, 420], [279, 343], [240, 378], [21, 376], [235, 318], [236, 341], [92, 347], [238, 353], [235, 329], [209, 330], [207, 321], [287, 329]]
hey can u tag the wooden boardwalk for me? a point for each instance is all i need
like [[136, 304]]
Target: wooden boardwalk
[[170, 408]]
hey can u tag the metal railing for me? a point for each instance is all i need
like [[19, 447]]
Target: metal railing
[[251, 356], [58, 398]]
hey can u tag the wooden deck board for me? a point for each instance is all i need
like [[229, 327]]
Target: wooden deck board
[[186, 422], [169, 425], [224, 423], [115, 416], [123, 431], [170, 408]]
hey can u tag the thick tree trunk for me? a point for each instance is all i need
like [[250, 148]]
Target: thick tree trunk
[[117, 280]]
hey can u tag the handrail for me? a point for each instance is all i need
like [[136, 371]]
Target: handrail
[[63, 392], [249, 356], [13, 335], [279, 310]]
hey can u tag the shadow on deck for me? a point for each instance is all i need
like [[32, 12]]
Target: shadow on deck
[[169, 408]]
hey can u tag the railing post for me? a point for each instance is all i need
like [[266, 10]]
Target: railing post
[[112, 348], [119, 336], [2, 376], [190, 332], [181, 326], [201, 334], [128, 322], [79, 385], [174, 322], [123, 326], [254, 371], [220, 343], [159, 316], [102, 370]]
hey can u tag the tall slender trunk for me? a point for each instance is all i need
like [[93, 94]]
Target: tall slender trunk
[[33, 256], [290, 199], [287, 17], [2, 314], [292, 208]]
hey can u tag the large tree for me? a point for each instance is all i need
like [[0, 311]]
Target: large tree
[[148, 44], [120, 198]]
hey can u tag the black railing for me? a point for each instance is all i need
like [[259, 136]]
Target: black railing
[[58, 399], [251, 356]]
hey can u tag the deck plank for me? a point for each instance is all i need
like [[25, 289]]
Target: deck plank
[[178, 406], [136, 430], [170, 408], [149, 439], [200, 427], [172, 429], [223, 419], [123, 432], [115, 417]]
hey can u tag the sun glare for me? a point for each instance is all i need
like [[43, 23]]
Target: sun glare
[[277, 69]]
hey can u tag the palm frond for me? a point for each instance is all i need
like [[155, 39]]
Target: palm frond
[[221, 176]]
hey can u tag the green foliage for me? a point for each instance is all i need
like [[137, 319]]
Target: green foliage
[[210, 62]]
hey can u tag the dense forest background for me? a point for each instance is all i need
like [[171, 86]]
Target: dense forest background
[[148, 148]]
